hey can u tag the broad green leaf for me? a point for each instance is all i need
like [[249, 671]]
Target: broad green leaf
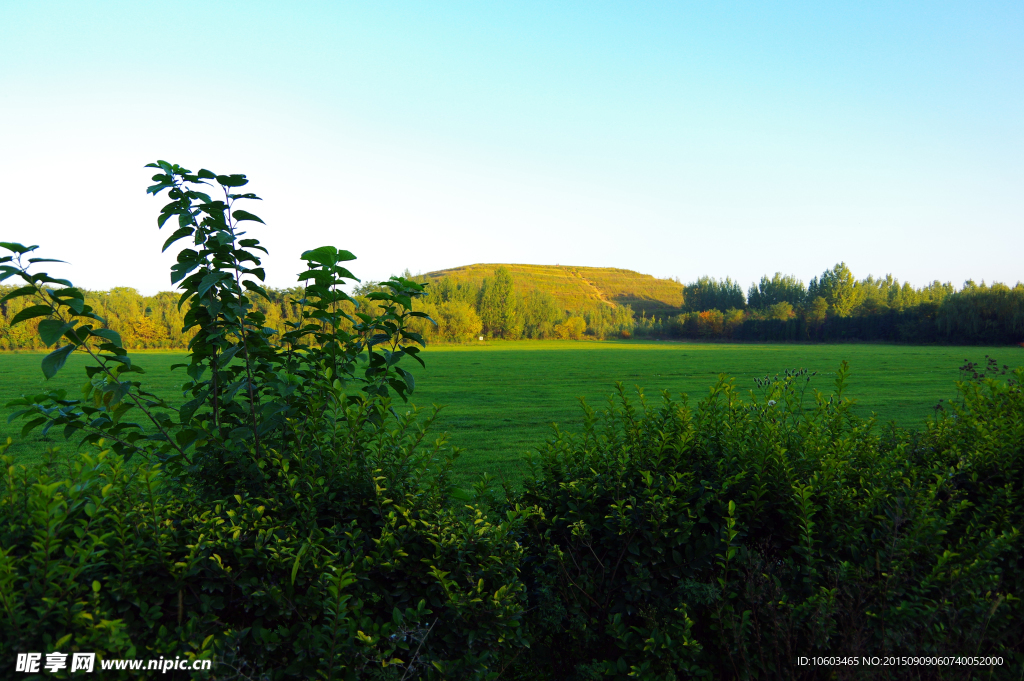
[[320, 276], [18, 293], [17, 414], [342, 273], [122, 359], [209, 281], [16, 247], [327, 255], [60, 294], [224, 238], [186, 438], [181, 270], [50, 280], [164, 217], [298, 559], [253, 286], [31, 425], [409, 381], [179, 233], [112, 336], [240, 215], [31, 312], [461, 494], [51, 330], [236, 180], [226, 357], [55, 360]]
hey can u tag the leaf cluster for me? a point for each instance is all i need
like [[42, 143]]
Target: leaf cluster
[[244, 380]]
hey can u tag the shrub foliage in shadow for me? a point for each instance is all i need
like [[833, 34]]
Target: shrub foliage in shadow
[[737, 536]]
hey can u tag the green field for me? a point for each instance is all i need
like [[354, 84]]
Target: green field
[[502, 397]]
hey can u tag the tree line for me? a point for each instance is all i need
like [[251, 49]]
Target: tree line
[[144, 322], [834, 306]]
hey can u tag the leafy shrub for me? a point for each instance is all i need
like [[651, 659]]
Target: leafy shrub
[[279, 520], [342, 571], [729, 539], [572, 329], [710, 323], [458, 321]]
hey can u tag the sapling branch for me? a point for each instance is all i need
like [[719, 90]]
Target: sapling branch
[[241, 322], [82, 343]]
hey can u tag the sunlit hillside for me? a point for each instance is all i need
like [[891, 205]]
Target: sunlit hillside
[[579, 288]]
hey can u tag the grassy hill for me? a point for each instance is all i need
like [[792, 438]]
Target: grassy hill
[[581, 288]]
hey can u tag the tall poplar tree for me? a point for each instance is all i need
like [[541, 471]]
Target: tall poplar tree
[[498, 305]]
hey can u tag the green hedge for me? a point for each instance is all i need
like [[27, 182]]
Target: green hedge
[[336, 571], [661, 541], [729, 539]]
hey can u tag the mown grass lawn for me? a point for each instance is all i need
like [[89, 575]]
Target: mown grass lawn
[[501, 398]]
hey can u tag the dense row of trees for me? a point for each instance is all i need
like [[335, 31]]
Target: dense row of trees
[[833, 306], [142, 321], [837, 306]]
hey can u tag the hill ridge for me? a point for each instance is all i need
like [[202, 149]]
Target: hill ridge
[[581, 287]]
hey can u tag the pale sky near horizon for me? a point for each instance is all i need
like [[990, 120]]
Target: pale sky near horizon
[[675, 139]]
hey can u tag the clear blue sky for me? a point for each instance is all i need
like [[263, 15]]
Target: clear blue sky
[[676, 139]]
